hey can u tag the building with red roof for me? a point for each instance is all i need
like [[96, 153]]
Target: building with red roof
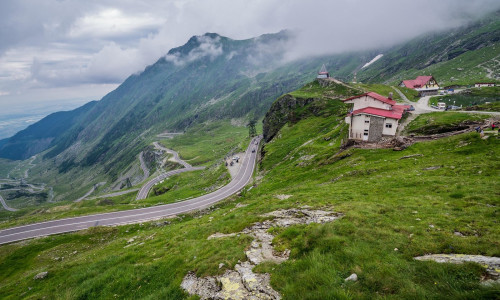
[[425, 85], [373, 116]]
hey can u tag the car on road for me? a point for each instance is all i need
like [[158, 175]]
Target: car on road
[[236, 157], [253, 150]]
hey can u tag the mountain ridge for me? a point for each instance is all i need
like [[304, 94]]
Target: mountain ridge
[[207, 79]]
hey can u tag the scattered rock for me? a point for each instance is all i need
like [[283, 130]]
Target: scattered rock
[[396, 249], [219, 235], [458, 233], [283, 197], [131, 240], [410, 156], [242, 282], [307, 157], [161, 224], [431, 226], [41, 275], [432, 168], [352, 277]]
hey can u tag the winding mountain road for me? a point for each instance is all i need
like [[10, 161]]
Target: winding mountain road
[[143, 192], [136, 215], [5, 206]]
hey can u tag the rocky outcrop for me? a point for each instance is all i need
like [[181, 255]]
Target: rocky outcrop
[[314, 98], [281, 112], [242, 282]]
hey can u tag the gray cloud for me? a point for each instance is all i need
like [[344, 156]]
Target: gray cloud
[[69, 44], [208, 46]]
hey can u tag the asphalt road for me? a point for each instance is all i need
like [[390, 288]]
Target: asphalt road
[[5, 206], [175, 154], [143, 192], [136, 215]]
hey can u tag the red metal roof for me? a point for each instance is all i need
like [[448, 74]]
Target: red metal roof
[[379, 112], [374, 96], [400, 108], [418, 82]]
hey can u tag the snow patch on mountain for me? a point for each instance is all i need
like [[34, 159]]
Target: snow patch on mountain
[[372, 61]]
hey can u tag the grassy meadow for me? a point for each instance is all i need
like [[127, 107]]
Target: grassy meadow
[[384, 90]]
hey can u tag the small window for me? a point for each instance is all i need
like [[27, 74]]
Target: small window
[[366, 132], [388, 125], [367, 121]]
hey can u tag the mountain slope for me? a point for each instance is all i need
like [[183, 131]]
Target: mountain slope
[[209, 78], [213, 78], [428, 53], [41, 135]]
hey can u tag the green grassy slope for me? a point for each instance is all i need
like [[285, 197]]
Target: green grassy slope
[[394, 209], [455, 57], [465, 69], [440, 122]]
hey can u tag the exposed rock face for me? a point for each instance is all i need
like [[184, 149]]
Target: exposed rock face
[[281, 112], [242, 282]]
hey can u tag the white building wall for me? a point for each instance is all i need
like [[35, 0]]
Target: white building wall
[[393, 129], [367, 101], [359, 125]]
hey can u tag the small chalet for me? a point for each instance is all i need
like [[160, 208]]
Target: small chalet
[[484, 84], [323, 73], [373, 116], [425, 85]]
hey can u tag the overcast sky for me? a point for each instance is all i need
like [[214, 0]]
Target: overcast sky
[[76, 51]]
